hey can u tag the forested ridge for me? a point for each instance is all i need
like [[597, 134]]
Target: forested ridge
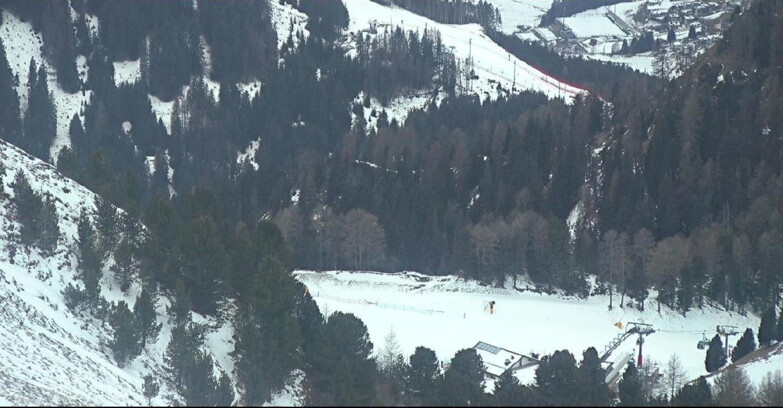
[[672, 185]]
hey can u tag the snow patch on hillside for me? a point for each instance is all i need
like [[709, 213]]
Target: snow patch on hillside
[[22, 44], [516, 13], [127, 72], [49, 355], [448, 313], [287, 21], [499, 72]]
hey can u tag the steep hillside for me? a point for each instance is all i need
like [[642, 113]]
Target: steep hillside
[[48, 354]]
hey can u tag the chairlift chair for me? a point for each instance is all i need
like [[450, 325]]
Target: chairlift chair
[[703, 343]]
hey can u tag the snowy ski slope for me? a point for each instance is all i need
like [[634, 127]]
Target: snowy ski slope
[[447, 313], [494, 66]]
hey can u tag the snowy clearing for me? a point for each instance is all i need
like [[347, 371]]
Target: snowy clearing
[[447, 313], [498, 71]]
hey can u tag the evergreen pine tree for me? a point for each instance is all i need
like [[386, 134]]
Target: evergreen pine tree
[[180, 307], [630, 388], [123, 264], [40, 122], [463, 381], [767, 329], [508, 391], [745, 345], [144, 311], [106, 224], [28, 209], [421, 374], [716, 355], [90, 260], [125, 343], [594, 390], [697, 394], [778, 335], [150, 388], [49, 224], [69, 164], [10, 115]]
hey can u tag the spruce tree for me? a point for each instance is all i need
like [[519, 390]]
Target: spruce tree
[[28, 209], [90, 260], [508, 391], [10, 115], [716, 355], [49, 224], [778, 335], [592, 376], [745, 345], [69, 164], [463, 381], [125, 343], [146, 317], [40, 122], [630, 388], [150, 388], [421, 374], [767, 329], [123, 264], [697, 394]]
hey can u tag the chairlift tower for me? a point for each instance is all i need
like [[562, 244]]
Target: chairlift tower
[[726, 331], [638, 328]]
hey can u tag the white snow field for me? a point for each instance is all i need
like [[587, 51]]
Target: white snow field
[[515, 13], [447, 313], [22, 44], [492, 64], [49, 355]]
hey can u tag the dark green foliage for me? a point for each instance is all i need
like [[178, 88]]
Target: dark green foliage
[[150, 388], [767, 328], [510, 393], [696, 394], [59, 43], [341, 371], [745, 345], [69, 164], [241, 38], [10, 117], [716, 355], [106, 224], [779, 334], [191, 369], [557, 378], [40, 122], [125, 344], [90, 259], [146, 316], [592, 377], [28, 209], [124, 268], [49, 224], [423, 371], [463, 381], [630, 388]]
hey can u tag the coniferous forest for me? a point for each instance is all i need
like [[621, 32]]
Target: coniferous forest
[[678, 184]]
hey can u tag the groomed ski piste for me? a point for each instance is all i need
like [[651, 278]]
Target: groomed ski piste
[[449, 313], [494, 66]]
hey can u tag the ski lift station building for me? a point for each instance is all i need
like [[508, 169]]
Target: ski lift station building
[[498, 360]]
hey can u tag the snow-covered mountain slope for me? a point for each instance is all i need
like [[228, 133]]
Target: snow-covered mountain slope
[[49, 355], [498, 71], [22, 44], [517, 15], [447, 313], [758, 363]]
